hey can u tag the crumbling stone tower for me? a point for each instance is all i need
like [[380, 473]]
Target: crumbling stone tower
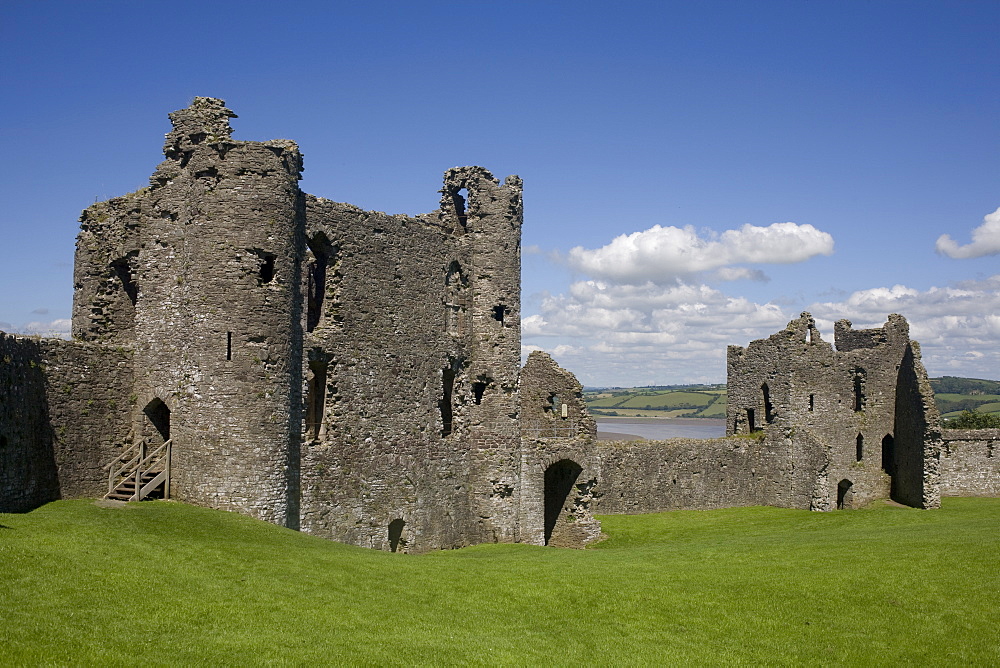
[[199, 273], [866, 404]]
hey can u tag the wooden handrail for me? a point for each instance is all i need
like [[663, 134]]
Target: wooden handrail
[[121, 457], [138, 465]]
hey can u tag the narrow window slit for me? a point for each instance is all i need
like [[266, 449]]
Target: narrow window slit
[[229, 346]]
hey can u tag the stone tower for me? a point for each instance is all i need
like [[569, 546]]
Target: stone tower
[[200, 274]]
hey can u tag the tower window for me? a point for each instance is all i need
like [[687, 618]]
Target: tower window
[[266, 268], [499, 312]]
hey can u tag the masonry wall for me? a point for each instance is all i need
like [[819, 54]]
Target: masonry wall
[[373, 450], [867, 401], [411, 430], [970, 462], [64, 414], [28, 476], [89, 403]]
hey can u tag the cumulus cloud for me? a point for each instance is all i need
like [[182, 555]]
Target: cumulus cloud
[[664, 254], [985, 240], [611, 334], [59, 328], [958, 326]]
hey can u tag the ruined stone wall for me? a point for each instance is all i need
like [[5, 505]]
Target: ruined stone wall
[[917, 434], [373, 450], [90, 403], [493, 218], [970, 462], [64, 414], [853, 399], [654, 476], [410, 436], [28, 476]]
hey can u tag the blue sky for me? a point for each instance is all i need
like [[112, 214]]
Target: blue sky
[[696, 174]]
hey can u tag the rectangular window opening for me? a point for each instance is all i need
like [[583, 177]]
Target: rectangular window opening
[[229, 346]]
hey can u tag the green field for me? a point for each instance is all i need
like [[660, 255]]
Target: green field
[[952, 395], [161, 583], [685, 401]]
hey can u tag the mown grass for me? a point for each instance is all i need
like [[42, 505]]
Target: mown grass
[[164, 583]]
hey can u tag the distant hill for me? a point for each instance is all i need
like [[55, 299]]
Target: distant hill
[[952, 394], [702, 401]]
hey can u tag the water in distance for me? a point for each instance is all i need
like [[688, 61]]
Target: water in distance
[[654, 429]]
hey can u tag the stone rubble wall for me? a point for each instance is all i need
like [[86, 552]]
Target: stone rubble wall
[[970, 462], [867, 400], [28, 476], [64, 414]]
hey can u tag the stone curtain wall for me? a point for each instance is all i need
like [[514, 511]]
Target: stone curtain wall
[[411, 351], [90, 406], [970, 462], [64, 413], [28, 476], [374, 376]]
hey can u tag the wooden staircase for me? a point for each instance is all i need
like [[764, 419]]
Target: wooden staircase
[[137, 474]]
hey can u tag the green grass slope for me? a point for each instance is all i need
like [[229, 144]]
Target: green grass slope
[[162, 583]]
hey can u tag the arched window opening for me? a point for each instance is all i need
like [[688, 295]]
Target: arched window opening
[[860, 447], [559, 480], [479, 389], [266, 269], [768, 407], [319, 252], [859, 389], [316, 400], [396, 540], [844, 494], [159, 419], [123, 270], [456, 299], [458, 199], [447, 402], [888, 454]]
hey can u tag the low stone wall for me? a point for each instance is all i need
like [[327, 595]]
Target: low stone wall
[[970, 462], [613, 477]]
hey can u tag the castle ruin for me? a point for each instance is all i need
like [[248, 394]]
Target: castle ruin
[[355, 375]]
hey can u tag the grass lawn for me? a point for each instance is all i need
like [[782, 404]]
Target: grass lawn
[[164, 583]]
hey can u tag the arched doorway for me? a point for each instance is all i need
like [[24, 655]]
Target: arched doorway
[[396, 534], [844, 494], [159, 418], [559, 480]]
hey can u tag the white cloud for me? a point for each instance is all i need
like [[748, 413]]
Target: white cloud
[[985, 240], [649, 334], [664, 254], [639, 334], [958, 326], [59, 328]]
